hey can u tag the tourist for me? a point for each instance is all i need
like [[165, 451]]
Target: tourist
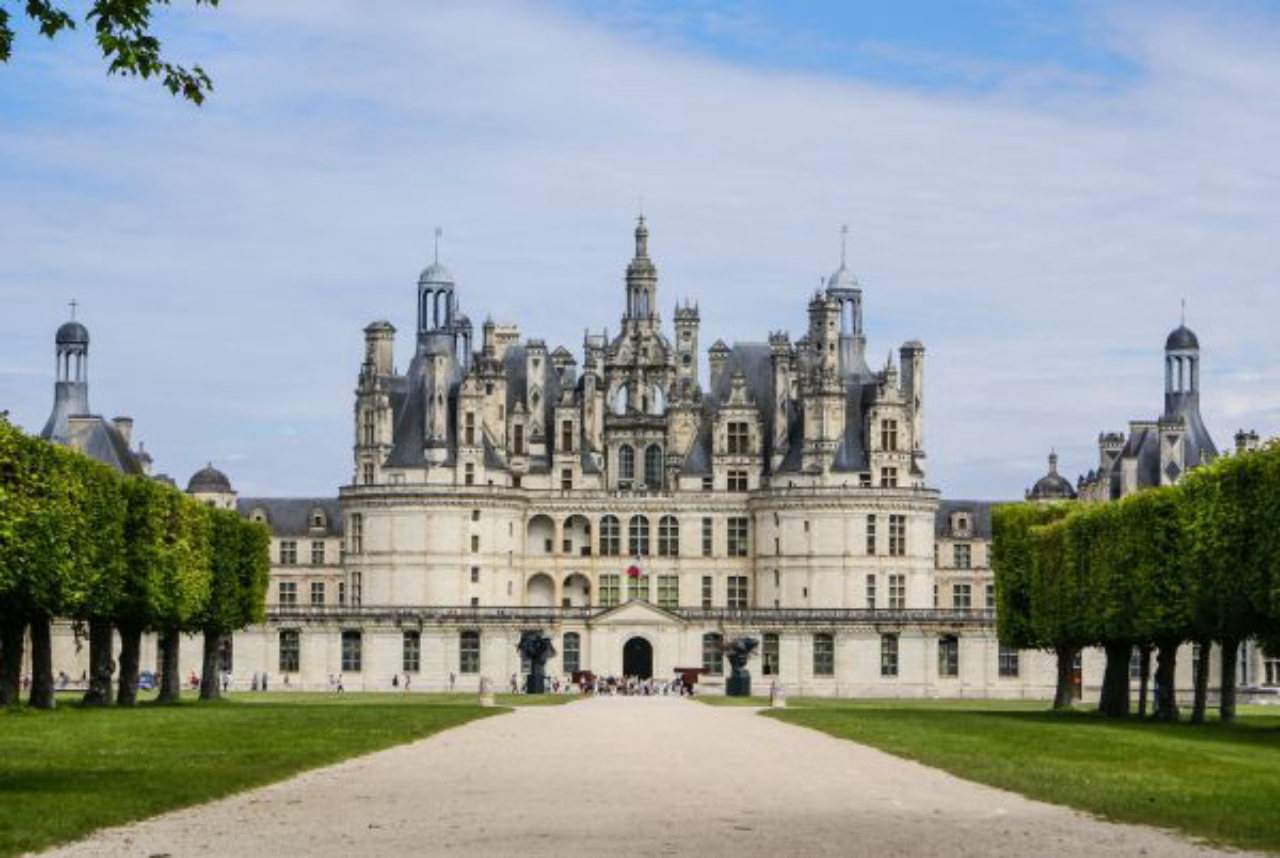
[[395, 681]]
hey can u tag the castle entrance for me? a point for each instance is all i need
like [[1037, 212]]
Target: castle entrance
[[637, 658]]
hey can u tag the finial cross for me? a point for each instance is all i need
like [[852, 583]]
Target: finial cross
[[1184, 312], [844, 241], [437, 250], [74, 304]]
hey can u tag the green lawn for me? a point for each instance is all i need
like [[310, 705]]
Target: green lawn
[[68, 772], [1217, 782]]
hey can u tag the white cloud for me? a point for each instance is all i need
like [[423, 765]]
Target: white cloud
[[1037, 239]]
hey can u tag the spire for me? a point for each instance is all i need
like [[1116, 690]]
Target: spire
[[1053, 462], [844, 241], [642, 238], [74, 304], [436, 256]]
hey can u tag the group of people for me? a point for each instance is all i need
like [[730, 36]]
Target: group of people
[[635, 686]]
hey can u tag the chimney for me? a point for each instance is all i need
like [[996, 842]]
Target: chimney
[[124, 425]]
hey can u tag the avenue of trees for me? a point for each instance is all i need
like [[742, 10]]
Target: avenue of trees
[[115, 553], [1198, 562]]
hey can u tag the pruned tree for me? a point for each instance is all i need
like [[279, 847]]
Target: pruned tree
[[239, 565]]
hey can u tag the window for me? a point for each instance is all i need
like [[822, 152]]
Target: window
[[566, 436], [566, 480], [288, 552], [342, 592], [610, 536], [609, 590], [475, 515], [739, 438], [626, 463], [517, 439], [366, 473], [864, 480], [469, 474], [871, 534], [475, 574], [897, 535], [824, 655], [368, 425], [897, 592], [412, 661], [1271, 671], [571, 652], [737, 480], [288, 593], [668, 536], [708, 590], [991, 597], [948, 657], [638, 587], [739, 537], [769, 655], [475, 543], [669, 591], [352, 652], [290, 651], [653, 467], [889, 435], [317, 552], [1009, 662], [708, 483], [738, 593], [712, 655], [708, 537], [356, 594], [469, 652], [355, 533], [889, 478], [638, 536], [469, 428], [888, 655], [961, 598], [962, 555], [317, 592], [871, 592]]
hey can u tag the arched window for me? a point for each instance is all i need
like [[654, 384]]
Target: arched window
[[653, 467], [626, 462], [638, 532], [572, 652], [610, 536], [669, 536]]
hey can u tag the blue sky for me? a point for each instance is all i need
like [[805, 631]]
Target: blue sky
[[1031, 188]]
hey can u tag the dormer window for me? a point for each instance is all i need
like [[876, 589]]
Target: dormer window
[[318, 521], [960, 523]]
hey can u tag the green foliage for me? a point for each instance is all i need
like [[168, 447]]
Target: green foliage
[[122, 29], [1011, 562], [239, 566], [97, 535]]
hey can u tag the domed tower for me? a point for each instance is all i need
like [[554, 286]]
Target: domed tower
[[1182, 405], [844, 288], [642, 281], [211, 487], [71, 390], [1052, 487]]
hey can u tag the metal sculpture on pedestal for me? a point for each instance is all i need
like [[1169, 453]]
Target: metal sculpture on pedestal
[[738, 651], [537, 648]]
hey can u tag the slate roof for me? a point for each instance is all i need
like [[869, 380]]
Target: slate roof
[[292, 516], [980, 523]]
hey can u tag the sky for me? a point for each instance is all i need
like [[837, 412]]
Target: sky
[[1031, 190]]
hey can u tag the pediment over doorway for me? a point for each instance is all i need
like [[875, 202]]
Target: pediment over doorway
[[636, 613]]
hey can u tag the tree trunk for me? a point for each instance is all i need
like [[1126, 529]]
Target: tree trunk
[[210, 680], [1201, 704], [1166, 686], [101, 663], [170, 680], [1144, 659], [12, 631], [1115, 683], [1227, 686], [1062, 698], [42, 663], [130, 650]]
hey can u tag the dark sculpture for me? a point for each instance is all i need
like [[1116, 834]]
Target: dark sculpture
[[738, 651], [537, 648]]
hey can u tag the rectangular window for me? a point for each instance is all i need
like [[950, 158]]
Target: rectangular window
[[638, 536], [288, 552], [342, 592], [610, 590], [469, 429], [824, 655], [738, 594], [638, 587], [469, 652], [517, 439], [871, 535], [896, 535], [708, 537], [739, 537], [737, 480], [708, 589], [769, 655], [566, 480], [566, 436], [317, 592], [366, 473], [288, 594], [610, 536], [991, 597], [368, 421], [356, 589], [864, 480], [889, 478], [355, 533], [1008, 662], [708, 483], [961, 597], [317, 552], [962, 554], [475, 574], [668, 536], [712, 655], [352, 652], [871, 592], [888, 655], [290, 651], [739, 438], [889, 435], [412, 652], [475, 543], [571, 655], [948, 657], [897, 592], [669, 591], [469, 474], [1271, 671]]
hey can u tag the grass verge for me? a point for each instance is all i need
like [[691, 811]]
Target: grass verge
[[66, 773], [1220, 783]]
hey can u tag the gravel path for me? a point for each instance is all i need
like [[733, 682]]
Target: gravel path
[[629, 776]]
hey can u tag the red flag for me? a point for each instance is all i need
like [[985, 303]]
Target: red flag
[[633, 571]]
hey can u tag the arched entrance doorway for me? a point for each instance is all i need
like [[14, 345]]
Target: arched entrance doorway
[[637, 658]]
